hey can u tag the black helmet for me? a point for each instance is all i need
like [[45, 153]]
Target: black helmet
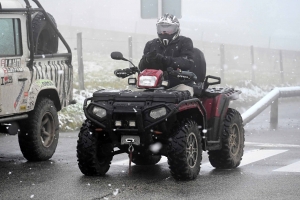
[[167, 28]]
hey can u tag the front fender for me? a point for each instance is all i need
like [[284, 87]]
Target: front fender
[[193, 107]]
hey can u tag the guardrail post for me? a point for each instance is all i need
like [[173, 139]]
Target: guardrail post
[[130, 50], [80, 62], [274, 115], [222, 57]]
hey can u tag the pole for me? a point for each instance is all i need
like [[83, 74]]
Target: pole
[[160, 9], [130, 49], [252, 64], [222, 55], [80, 62], [281, 67], [274, 115]]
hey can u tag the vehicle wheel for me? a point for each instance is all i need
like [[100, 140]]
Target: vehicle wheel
[[39, 133], [233, 139], [145, 159], [45, 38], [94, 155], [185, 151]]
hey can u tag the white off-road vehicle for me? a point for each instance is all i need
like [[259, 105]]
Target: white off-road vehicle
[[35, 80]]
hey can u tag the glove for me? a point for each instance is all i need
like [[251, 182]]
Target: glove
[[150, 56], [172, 72], [153, 56]]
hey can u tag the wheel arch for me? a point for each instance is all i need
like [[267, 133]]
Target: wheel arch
[[43, 88], [52, 94], [193, 113]]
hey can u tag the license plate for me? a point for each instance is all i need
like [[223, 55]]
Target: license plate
[[133, 139]]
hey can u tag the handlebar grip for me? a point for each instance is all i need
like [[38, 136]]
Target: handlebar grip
[[191, 75], [185, 75]]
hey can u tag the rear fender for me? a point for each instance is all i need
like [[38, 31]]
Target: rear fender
[[216, 108], [45, 88]]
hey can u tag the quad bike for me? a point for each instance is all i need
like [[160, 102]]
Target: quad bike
[[179, 125]]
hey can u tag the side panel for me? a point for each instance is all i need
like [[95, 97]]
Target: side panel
[[54, 71]]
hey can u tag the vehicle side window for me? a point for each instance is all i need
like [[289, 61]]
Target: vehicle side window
[[10, 37]]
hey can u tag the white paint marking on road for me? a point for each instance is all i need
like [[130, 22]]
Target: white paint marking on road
[[256, 155], [271, 145], [163, 160], [126, 161], [295, 167], [249, 157], [121, 162]]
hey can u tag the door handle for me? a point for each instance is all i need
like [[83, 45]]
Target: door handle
[[22, 79]]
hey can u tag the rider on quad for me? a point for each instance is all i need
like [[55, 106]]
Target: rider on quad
[[183, 122], [169, 50]]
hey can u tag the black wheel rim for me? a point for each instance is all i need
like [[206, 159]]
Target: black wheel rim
[[47, 129], [192, 150], [234, 139]]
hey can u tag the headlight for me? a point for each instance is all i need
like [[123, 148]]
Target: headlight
[[147, 80], [100, 112], [118, 123], [157, 113], [132, 123]]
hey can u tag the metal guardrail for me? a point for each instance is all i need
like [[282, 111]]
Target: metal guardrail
[[270, 99]]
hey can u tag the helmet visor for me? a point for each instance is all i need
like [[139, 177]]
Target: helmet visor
[[166, 28]]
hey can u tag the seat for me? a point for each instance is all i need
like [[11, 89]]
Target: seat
[[200, 65], [199, 70]]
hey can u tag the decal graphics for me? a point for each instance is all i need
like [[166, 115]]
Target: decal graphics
[[44, 83], [11, 63], [19, 96], [14, 69], [60, 74], [6, 80], [22, 108]]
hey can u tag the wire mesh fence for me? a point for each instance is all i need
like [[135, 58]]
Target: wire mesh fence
[[234, 63]]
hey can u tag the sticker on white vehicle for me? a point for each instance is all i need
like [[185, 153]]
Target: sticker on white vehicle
[[19, 96], [11, 63], [6, 80]]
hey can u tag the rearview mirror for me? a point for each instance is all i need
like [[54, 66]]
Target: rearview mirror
[[117, 55]]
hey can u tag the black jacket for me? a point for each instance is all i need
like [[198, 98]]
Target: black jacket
[[178, 52]]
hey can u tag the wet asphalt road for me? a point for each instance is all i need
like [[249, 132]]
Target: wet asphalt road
[[270, 170]]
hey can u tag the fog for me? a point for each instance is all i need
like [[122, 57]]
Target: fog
[[269, 23]]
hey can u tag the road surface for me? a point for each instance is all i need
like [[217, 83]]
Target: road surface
[[270, 169]]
